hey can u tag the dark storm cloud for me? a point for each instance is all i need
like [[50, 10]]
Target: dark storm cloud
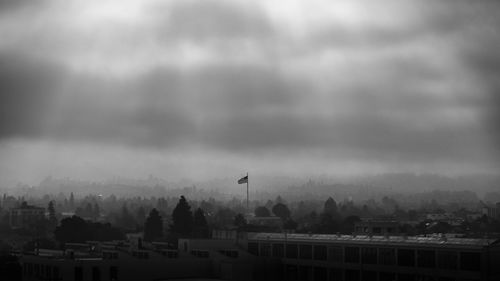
[[212, 20], [10, 5], [28, 88], [397, 91]]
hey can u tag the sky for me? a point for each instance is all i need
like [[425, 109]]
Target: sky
[[212, 89]]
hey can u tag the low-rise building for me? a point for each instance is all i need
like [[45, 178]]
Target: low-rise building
[[377, 226], [25, 216], [325, 257]]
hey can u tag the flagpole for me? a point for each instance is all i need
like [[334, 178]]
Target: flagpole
[[248, 210]]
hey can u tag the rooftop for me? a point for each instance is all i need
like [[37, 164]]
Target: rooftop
[[433, 240]]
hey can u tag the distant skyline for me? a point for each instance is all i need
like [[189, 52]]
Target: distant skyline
[[212, 89]]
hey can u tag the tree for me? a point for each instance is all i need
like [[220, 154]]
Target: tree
[[199, 219], [126, 219], [347, 225], [262, 211], [52, 214], [72, 201], [153, 228], [281, 210], [200, 225], [327, 224], [290, 224], [96, 211], [240, 221], [141, 215], [182, 218], [72, 229], [330, 207], [224, 217], [75, 229]]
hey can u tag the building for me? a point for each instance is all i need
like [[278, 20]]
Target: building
[[139, 260], [491, 211], [25, 216], [365, 257], [377, 227], [274, 256]]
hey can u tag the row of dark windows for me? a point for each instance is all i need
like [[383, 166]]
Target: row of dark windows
[[96, 273], [470, 261], [200, 254], [110, 255], [229, 253], [41, 271], [171, 254], [309, 273], [140, 255]]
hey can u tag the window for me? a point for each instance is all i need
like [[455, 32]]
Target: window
[[200, 254], [229, 253], [278, 250], [406, 277], [352, 254], [335, 274], [320, 274], [292, 251], [406, 257], [113, 273], [377, 230], [304, 273], [447, 259], [48, 272], [305, 252], [352, 275], [386, 276], [320, 252], [369, 275], [78, 273], [470, 261], [172, 254], [55, 272], [265, 249], [96, 273], [426, 258], [369, 255], [335, 254], [386, 256], [291, 272], [253, 248]]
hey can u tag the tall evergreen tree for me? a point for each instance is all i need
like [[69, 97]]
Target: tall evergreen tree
[[262, 211], [240, 221], [200, 225], [153, 228], [330, 207], [182, 218], [199, 219], [96, 211], [52, 214], [72, 201], [126, 220], [281, 210]]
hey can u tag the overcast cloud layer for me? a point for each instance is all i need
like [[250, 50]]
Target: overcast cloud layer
[[213, 88]]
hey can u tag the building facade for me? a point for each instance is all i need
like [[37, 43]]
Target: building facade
[[274, 256], [26, 216], [360, 258]]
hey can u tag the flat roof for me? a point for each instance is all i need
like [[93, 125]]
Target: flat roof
[[366, 239]]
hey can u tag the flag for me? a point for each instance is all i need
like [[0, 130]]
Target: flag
[[243, 180]]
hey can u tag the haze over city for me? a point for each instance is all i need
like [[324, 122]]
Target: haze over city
[[250, 140], [213, 89]]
